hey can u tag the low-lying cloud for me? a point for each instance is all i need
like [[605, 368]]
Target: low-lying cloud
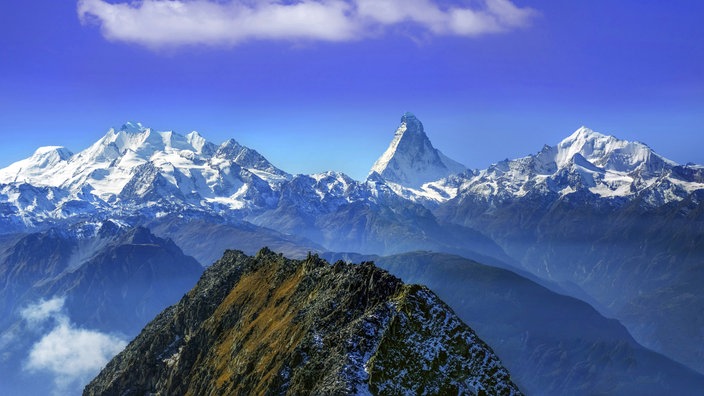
[[43, 310], [71, 355], [171, 23]]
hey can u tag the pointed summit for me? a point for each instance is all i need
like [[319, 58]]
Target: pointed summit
[[413, 124], [411, 160]]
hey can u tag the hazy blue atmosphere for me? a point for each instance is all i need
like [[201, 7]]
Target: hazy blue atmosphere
[[322, 84]]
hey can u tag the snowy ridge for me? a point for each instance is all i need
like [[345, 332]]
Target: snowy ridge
[[32, 169], [432, 193], [587, 161], [136, 165]]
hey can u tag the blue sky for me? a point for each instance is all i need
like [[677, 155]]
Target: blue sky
[[321, 85]]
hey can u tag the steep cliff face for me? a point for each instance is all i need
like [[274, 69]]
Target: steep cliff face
[[270, 325]]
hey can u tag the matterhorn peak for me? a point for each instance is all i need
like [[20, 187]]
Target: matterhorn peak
[[411, 160]]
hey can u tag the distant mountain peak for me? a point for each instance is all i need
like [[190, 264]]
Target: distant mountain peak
[[141, 166], [606, 151], [28, 169], [145, 141], [587, 161], [411, 160]]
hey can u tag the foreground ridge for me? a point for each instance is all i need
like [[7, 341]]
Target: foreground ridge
[[269, 324]]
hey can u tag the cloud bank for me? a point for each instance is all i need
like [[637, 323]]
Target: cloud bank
[[72, 355], [173, 23]]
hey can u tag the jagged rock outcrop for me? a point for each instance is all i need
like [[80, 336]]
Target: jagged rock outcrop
[[270, 325]]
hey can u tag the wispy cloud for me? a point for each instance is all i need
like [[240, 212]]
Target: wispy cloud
[[171, 23], [72, 355], [42, 310]]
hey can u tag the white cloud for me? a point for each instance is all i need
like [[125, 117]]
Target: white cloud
[[43, 310], [170, 23], [389, 12], [72, 355]]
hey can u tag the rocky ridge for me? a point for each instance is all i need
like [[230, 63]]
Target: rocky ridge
[[269, 324]]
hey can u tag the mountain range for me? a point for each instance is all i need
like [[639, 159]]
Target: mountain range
[[602, 220]]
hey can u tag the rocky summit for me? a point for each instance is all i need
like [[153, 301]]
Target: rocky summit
[[271, 325]]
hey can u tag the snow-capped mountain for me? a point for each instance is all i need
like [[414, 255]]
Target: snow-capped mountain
[[411, 160], [139, 175], [590, 163], [586, 162], [137, 167]]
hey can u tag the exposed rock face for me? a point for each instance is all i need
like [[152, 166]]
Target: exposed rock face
[[270, 325]]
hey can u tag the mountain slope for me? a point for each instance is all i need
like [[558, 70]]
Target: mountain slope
[[104, 283], [341, 214], [268, 324], [126, 283], [119, 278], [552, 344]]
